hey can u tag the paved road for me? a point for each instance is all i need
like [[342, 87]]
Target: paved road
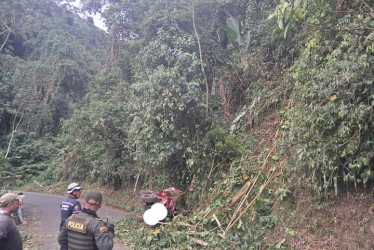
[[43, 216]]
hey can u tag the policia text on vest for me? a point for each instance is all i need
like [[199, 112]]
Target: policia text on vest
[[75, 225]]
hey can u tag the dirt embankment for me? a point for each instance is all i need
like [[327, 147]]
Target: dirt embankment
[[343, 222]]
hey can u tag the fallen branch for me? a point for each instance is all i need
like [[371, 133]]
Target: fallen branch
[[249, 190], [40, 185], [6, 39], [370, 8], [271, 177], [235, 218], [369, 36], [219, 224], [200, 242], [163, 223], [193, 233], [185, 224], [203, 218], [241, 193]]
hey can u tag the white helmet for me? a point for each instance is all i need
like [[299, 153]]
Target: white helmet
[[74, 186]]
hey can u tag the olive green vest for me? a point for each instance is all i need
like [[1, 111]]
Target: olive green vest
[[79, 231]]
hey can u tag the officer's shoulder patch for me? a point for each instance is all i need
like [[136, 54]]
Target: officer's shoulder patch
[[103, 229], [76, 207]]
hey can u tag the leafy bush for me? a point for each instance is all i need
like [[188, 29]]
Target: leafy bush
[[29, 157], [6, 172], [331, 123], [208, 160]]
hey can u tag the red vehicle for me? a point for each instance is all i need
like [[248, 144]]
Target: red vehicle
[[166, 197]]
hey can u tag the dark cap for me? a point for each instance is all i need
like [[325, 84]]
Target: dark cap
[[94, 197]]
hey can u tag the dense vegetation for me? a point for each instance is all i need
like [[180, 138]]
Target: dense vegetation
[[48, 56], [237, 103]]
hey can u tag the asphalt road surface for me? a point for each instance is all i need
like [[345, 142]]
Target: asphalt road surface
[[42, 212]]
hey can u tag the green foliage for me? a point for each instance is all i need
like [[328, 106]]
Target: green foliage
[[218, 147], [94, 143], [6, 94], [288, 13], [155, 126], [45, 65], [234, 34], [332, 121], [48, 65], [166, 104], [6, 172], [209, 159], [28, 158]]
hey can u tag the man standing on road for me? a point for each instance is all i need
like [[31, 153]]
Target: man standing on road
[[85, 230], [70, 205], [10, 238]]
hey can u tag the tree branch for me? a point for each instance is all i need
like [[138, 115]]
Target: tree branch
[[368, 6], [14, 130], [6, 39], [201, 58]]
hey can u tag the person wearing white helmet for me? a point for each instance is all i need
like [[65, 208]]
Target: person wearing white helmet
[[70, 205]]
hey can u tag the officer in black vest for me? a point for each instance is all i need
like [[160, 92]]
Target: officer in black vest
[[85, 230]]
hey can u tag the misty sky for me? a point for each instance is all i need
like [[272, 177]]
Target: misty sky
[[98, 21]]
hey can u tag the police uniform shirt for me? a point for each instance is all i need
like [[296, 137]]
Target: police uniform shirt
[[69, 206]]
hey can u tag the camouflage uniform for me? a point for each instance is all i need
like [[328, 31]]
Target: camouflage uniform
[[85, 230]]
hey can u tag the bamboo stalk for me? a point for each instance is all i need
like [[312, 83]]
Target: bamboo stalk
[[234, 219], [241, 193], [163, 223], [219, 224], [249, 205], [203, 218], [271, 177], [252, 186]]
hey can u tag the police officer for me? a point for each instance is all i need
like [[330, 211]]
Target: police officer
[[85, 230], [70, 205]]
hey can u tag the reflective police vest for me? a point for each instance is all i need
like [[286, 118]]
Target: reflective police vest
[[79, 231]]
